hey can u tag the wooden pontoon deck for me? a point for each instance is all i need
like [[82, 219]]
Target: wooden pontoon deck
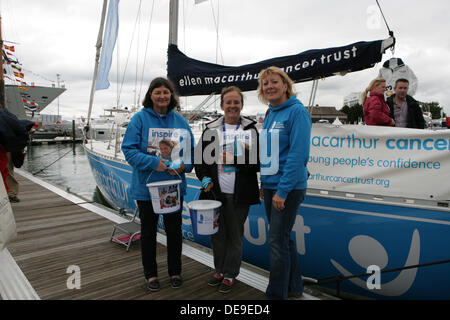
[[55, 233]]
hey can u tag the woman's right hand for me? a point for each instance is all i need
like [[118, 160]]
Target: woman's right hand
[[207, 184], [161, 166], [209, 187], [261, 193]]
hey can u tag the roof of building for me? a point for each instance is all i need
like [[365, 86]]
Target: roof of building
[[326, 111]]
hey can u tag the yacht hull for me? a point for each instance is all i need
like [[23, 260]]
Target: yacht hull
[[334, 237]]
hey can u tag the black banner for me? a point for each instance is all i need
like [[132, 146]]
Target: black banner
[[193, 77]]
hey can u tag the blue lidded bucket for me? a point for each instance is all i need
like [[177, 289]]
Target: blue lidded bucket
[[204, 216]]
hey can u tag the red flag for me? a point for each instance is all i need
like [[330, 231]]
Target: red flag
[[10, 48], [19, 74]]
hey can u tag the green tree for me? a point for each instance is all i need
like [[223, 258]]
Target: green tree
[[435, 109], [354, 113]]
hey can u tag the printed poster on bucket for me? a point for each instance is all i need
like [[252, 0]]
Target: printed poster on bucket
[[207, 221], [165, 198]]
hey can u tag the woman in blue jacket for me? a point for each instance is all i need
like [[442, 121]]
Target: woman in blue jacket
[[158, 121], [284, 153]]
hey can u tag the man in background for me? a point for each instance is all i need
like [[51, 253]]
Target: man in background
[[404, 109], [14, 136]]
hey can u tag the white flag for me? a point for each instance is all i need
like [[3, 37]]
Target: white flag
[[109, 42]]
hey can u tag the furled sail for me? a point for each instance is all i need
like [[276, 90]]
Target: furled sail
[[194, 77]]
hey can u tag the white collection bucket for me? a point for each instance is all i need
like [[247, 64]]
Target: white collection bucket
[[204, 216], [165, 196]]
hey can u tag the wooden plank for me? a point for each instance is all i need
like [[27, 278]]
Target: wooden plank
[[54, 234]]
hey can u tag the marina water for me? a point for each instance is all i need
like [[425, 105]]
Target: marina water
[[65, 166]]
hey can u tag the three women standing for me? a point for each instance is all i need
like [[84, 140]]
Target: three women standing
[[229, 174], [158, 120], [287, 126]]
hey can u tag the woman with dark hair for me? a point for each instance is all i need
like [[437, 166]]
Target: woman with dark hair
[[155, 122], [165, 87], [232, 177]]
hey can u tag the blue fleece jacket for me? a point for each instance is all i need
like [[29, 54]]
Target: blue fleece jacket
[[286, 169], [134, 147]]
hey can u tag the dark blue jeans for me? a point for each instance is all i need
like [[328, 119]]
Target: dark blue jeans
[[149, 226], [285, 273]]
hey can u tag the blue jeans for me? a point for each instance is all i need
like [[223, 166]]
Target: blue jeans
[[285, 274]]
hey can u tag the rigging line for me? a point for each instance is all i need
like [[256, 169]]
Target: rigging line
[[129, 51], [118, 71], [184, 43], [146, 48], [382, 14], [36, 74], [216, 98], [184, 26], [216, 24], [52, 163], [41, 156], [137, 60]]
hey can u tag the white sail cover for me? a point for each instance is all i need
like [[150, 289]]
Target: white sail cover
[[394, 69]]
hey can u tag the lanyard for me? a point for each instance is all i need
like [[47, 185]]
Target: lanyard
[[223, 126], [224, 129]]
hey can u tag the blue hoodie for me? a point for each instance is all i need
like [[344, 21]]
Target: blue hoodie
[[292, 122], [134, 147]]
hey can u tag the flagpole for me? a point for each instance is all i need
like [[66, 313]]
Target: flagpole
[[97, 59]]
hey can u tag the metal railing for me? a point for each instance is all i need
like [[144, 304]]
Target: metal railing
[[338, 279]]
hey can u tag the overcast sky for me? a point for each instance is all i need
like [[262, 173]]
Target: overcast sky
[[58, 37]]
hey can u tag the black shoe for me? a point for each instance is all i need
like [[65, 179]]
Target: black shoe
[[226, 286], [13, 199], [153, 285], [215, 280], [295, 295], [176, 282]]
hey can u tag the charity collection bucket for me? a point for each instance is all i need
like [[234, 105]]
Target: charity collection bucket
[[204, 216], [165, 196]]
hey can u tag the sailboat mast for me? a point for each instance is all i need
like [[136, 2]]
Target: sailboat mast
[[173, 22], [2, 79], [97, 60]]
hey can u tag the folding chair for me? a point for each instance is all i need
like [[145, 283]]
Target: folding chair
[[131, 231]]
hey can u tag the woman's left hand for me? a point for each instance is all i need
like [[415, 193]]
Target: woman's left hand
[[177, 171], [278, 202]]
